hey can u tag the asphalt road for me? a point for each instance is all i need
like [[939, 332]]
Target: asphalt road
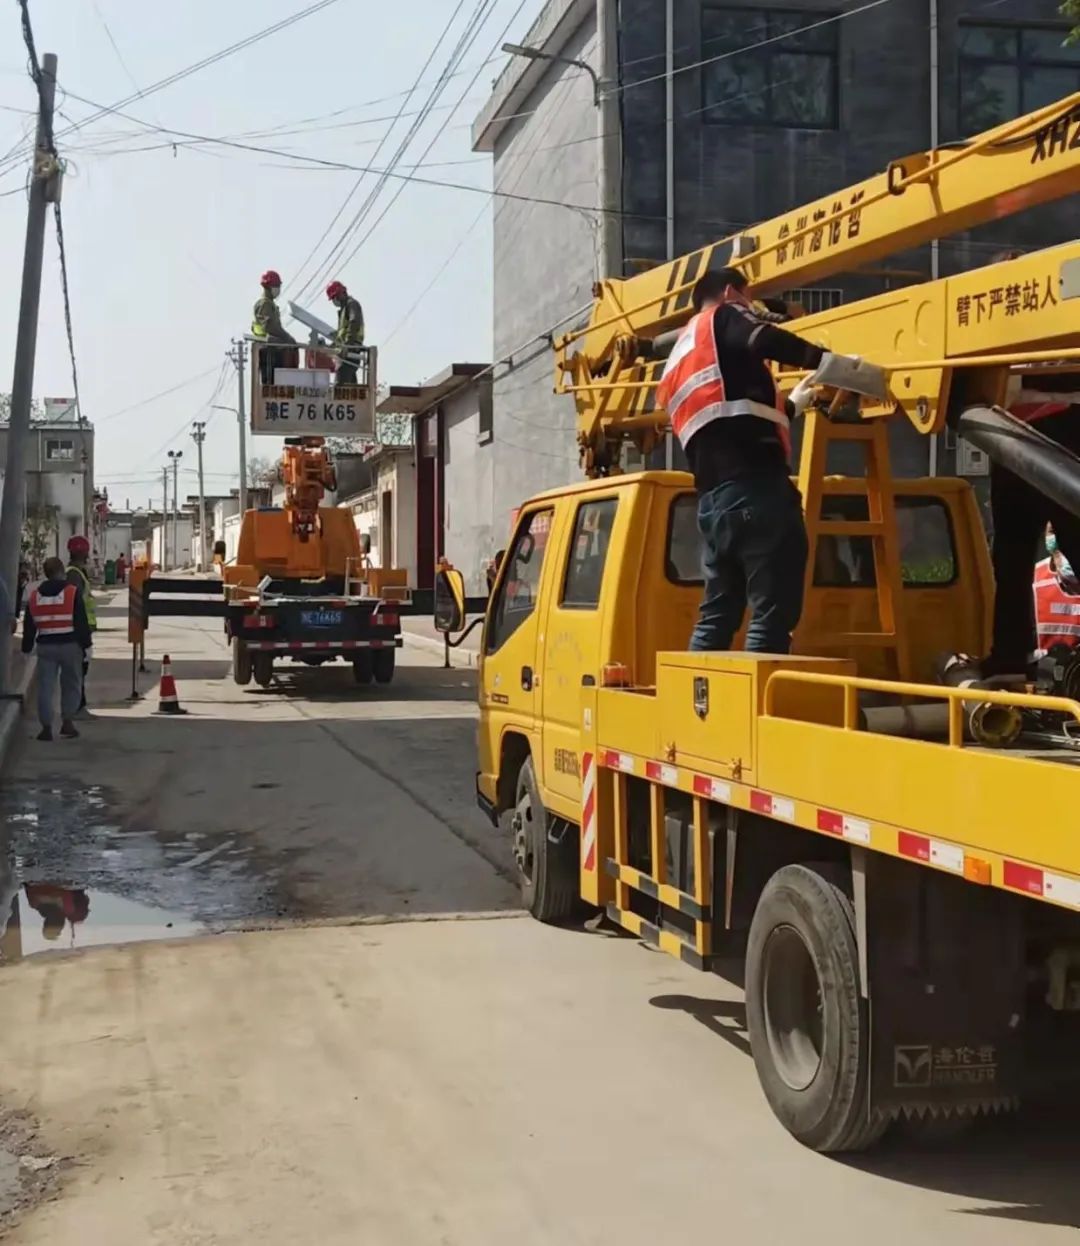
[[389, 1053]]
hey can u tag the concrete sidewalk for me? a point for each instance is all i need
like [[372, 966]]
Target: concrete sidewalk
[[419, 633]]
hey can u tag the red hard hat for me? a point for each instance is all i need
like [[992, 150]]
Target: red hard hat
[[78, 545], [270, 278], [335, 289]]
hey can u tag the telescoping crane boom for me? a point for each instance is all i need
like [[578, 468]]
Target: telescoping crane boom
[[610, 365]]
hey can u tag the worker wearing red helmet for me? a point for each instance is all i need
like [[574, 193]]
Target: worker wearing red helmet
[[350, 331], [78, 577], [266, 323]]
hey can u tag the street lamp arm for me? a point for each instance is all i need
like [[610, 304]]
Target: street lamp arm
[[535, 54]]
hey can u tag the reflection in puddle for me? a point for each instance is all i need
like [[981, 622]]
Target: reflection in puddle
[[44, 917]]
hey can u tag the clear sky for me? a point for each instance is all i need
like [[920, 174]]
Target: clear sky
[[165, 247]]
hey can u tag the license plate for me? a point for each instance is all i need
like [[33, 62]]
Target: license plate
[[321, 618]]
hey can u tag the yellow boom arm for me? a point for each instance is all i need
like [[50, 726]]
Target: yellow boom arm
[[1032, 160]]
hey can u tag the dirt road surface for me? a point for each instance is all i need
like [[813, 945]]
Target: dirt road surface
[[446, 1071]]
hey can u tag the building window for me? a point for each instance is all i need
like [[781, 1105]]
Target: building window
[[59, 451], [790, 80], [815, 300], [486, 409], [1006, 71]]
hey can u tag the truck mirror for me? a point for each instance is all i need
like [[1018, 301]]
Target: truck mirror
[[365, 542], [449, 600]]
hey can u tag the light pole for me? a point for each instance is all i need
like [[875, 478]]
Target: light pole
[[608, 129], [237, 355], [198, 435], [174, 457], [165, 518], [243, 464]]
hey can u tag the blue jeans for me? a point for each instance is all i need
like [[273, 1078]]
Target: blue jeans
[[63, 662], [754, 551]]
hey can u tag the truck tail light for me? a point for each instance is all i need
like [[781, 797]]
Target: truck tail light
[[259, 620], [386, 619]]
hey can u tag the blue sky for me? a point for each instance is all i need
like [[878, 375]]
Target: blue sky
[[165, 248]]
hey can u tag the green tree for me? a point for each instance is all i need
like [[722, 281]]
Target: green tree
[[39, 535], [1071, 9]]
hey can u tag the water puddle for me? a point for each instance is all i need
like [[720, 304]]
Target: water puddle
[[44, 917], [73, 876]]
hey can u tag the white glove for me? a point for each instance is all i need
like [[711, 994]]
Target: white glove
[[851, 372], [802, 395]]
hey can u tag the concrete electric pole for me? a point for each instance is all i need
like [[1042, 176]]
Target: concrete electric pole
[[44, 189], [237, 356], [199, 436], [165, 518], [174, 457]]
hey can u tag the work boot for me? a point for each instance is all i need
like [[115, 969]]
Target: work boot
[[67, 730], [45, 734]]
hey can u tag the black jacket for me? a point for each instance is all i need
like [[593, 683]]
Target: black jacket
[[746, 443], [53, 588]]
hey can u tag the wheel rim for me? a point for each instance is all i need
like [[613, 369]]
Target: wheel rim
[[794, 1014], [524, 853]]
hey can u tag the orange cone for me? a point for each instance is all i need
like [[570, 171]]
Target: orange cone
[[168, 701]]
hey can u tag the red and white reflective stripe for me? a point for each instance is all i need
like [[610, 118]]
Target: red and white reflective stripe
[[659, 773], [931, 851], [323, 644], [588, 812], [834, 823], [714, 789], [772, 806], [611, 760], [1035, 882]]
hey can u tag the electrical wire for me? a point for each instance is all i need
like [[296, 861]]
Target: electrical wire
[[404, 104]]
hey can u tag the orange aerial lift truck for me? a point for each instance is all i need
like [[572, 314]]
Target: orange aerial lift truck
[[895, 860], [301, 587]]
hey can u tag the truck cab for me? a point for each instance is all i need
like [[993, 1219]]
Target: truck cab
[[601, 576]]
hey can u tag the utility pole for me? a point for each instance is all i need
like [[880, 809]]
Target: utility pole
[[165, 518], [199, 436], [44, 188], [238, 358], [174, 457]]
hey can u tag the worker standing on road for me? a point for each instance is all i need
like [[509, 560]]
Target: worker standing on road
[[350, 331], [722, 402], [266, 325], [56, 620], [77, 575]]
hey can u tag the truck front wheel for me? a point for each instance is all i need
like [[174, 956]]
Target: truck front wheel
[[547, 868], [241, 662], [807, 1020]]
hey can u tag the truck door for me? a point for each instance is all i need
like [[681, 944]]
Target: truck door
[[572, 640], [510, 678]]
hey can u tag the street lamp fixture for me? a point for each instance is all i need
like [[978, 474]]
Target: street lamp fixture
[[535, 54]]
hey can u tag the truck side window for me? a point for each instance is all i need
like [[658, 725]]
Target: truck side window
[[588, 553], [683, 555], [927, 553], [521, 583]]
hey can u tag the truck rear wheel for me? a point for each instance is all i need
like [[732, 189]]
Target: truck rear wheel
[[263, 668], [362, 667], [547, 869], [241, 662], [383, 660], [807, 1020]]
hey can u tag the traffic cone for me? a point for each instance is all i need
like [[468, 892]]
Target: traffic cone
[[168, 701]]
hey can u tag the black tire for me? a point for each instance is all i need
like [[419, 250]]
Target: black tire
[[241, 662], [383, 660], [362, 667], [808, 1023], [547, 871], [262, 668]]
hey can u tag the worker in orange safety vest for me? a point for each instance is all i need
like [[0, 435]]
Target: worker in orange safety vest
[[1057, 598], [722, 402], [55, 622]]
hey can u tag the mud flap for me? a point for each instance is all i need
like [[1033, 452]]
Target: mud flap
[[945, 961]]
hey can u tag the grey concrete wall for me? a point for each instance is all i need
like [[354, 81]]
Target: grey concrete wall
[[470, 537], [545, 263]]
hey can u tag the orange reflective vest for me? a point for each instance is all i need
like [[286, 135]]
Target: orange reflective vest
[[691, 390], [54, 616], [1057, 613]]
